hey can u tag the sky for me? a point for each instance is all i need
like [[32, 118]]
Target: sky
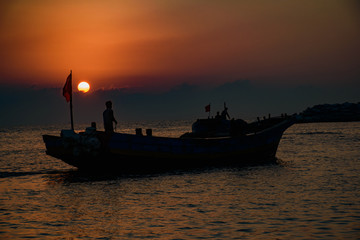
[[118, 44], [245, 100], [156, 46]]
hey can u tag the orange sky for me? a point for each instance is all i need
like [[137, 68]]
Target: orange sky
[[157, 43]]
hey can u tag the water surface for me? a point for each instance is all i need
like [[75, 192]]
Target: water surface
[[312, 193]]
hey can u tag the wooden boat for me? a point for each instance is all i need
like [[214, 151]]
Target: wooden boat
[[211, 143]]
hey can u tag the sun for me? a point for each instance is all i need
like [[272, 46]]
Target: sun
[[83, 87]]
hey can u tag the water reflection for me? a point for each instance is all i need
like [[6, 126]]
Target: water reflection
[[78, 176], [191, 204], [312, 192]]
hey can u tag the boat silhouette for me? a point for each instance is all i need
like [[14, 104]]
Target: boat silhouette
[[212, 142]]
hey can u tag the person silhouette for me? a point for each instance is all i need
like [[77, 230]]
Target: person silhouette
[[108, 117], [224, 113]]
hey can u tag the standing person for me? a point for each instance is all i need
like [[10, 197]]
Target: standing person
[[224, 113], [108, 116]]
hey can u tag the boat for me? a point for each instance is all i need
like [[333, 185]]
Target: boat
[[212, 142]]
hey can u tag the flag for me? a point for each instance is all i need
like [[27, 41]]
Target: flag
[[67, 90], [207, 108]]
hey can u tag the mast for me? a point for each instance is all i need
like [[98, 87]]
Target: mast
[[71, 105]]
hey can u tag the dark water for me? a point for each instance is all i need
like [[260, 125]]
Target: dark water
[[312, 193]]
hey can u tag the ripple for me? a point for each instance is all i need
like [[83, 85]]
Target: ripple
[[311, 193]]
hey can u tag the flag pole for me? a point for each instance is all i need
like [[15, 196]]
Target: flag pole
[[209, 110], [67, 93], [71, 105]]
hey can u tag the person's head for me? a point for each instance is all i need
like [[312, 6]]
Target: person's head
[[108, 104]]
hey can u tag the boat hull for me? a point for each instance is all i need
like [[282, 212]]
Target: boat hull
[[127, 152]]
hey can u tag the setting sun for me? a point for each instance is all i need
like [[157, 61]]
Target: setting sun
[[83, 87]]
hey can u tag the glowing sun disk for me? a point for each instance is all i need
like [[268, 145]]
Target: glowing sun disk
[[83, 87]]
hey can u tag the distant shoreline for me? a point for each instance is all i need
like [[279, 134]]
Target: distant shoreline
[[345, 112]]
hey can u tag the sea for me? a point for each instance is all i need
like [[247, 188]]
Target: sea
[[311, 192]]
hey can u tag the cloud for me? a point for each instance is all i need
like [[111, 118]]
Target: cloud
[[33, 106]]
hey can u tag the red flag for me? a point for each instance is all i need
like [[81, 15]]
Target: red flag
[[67, 90], [207, 108]]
